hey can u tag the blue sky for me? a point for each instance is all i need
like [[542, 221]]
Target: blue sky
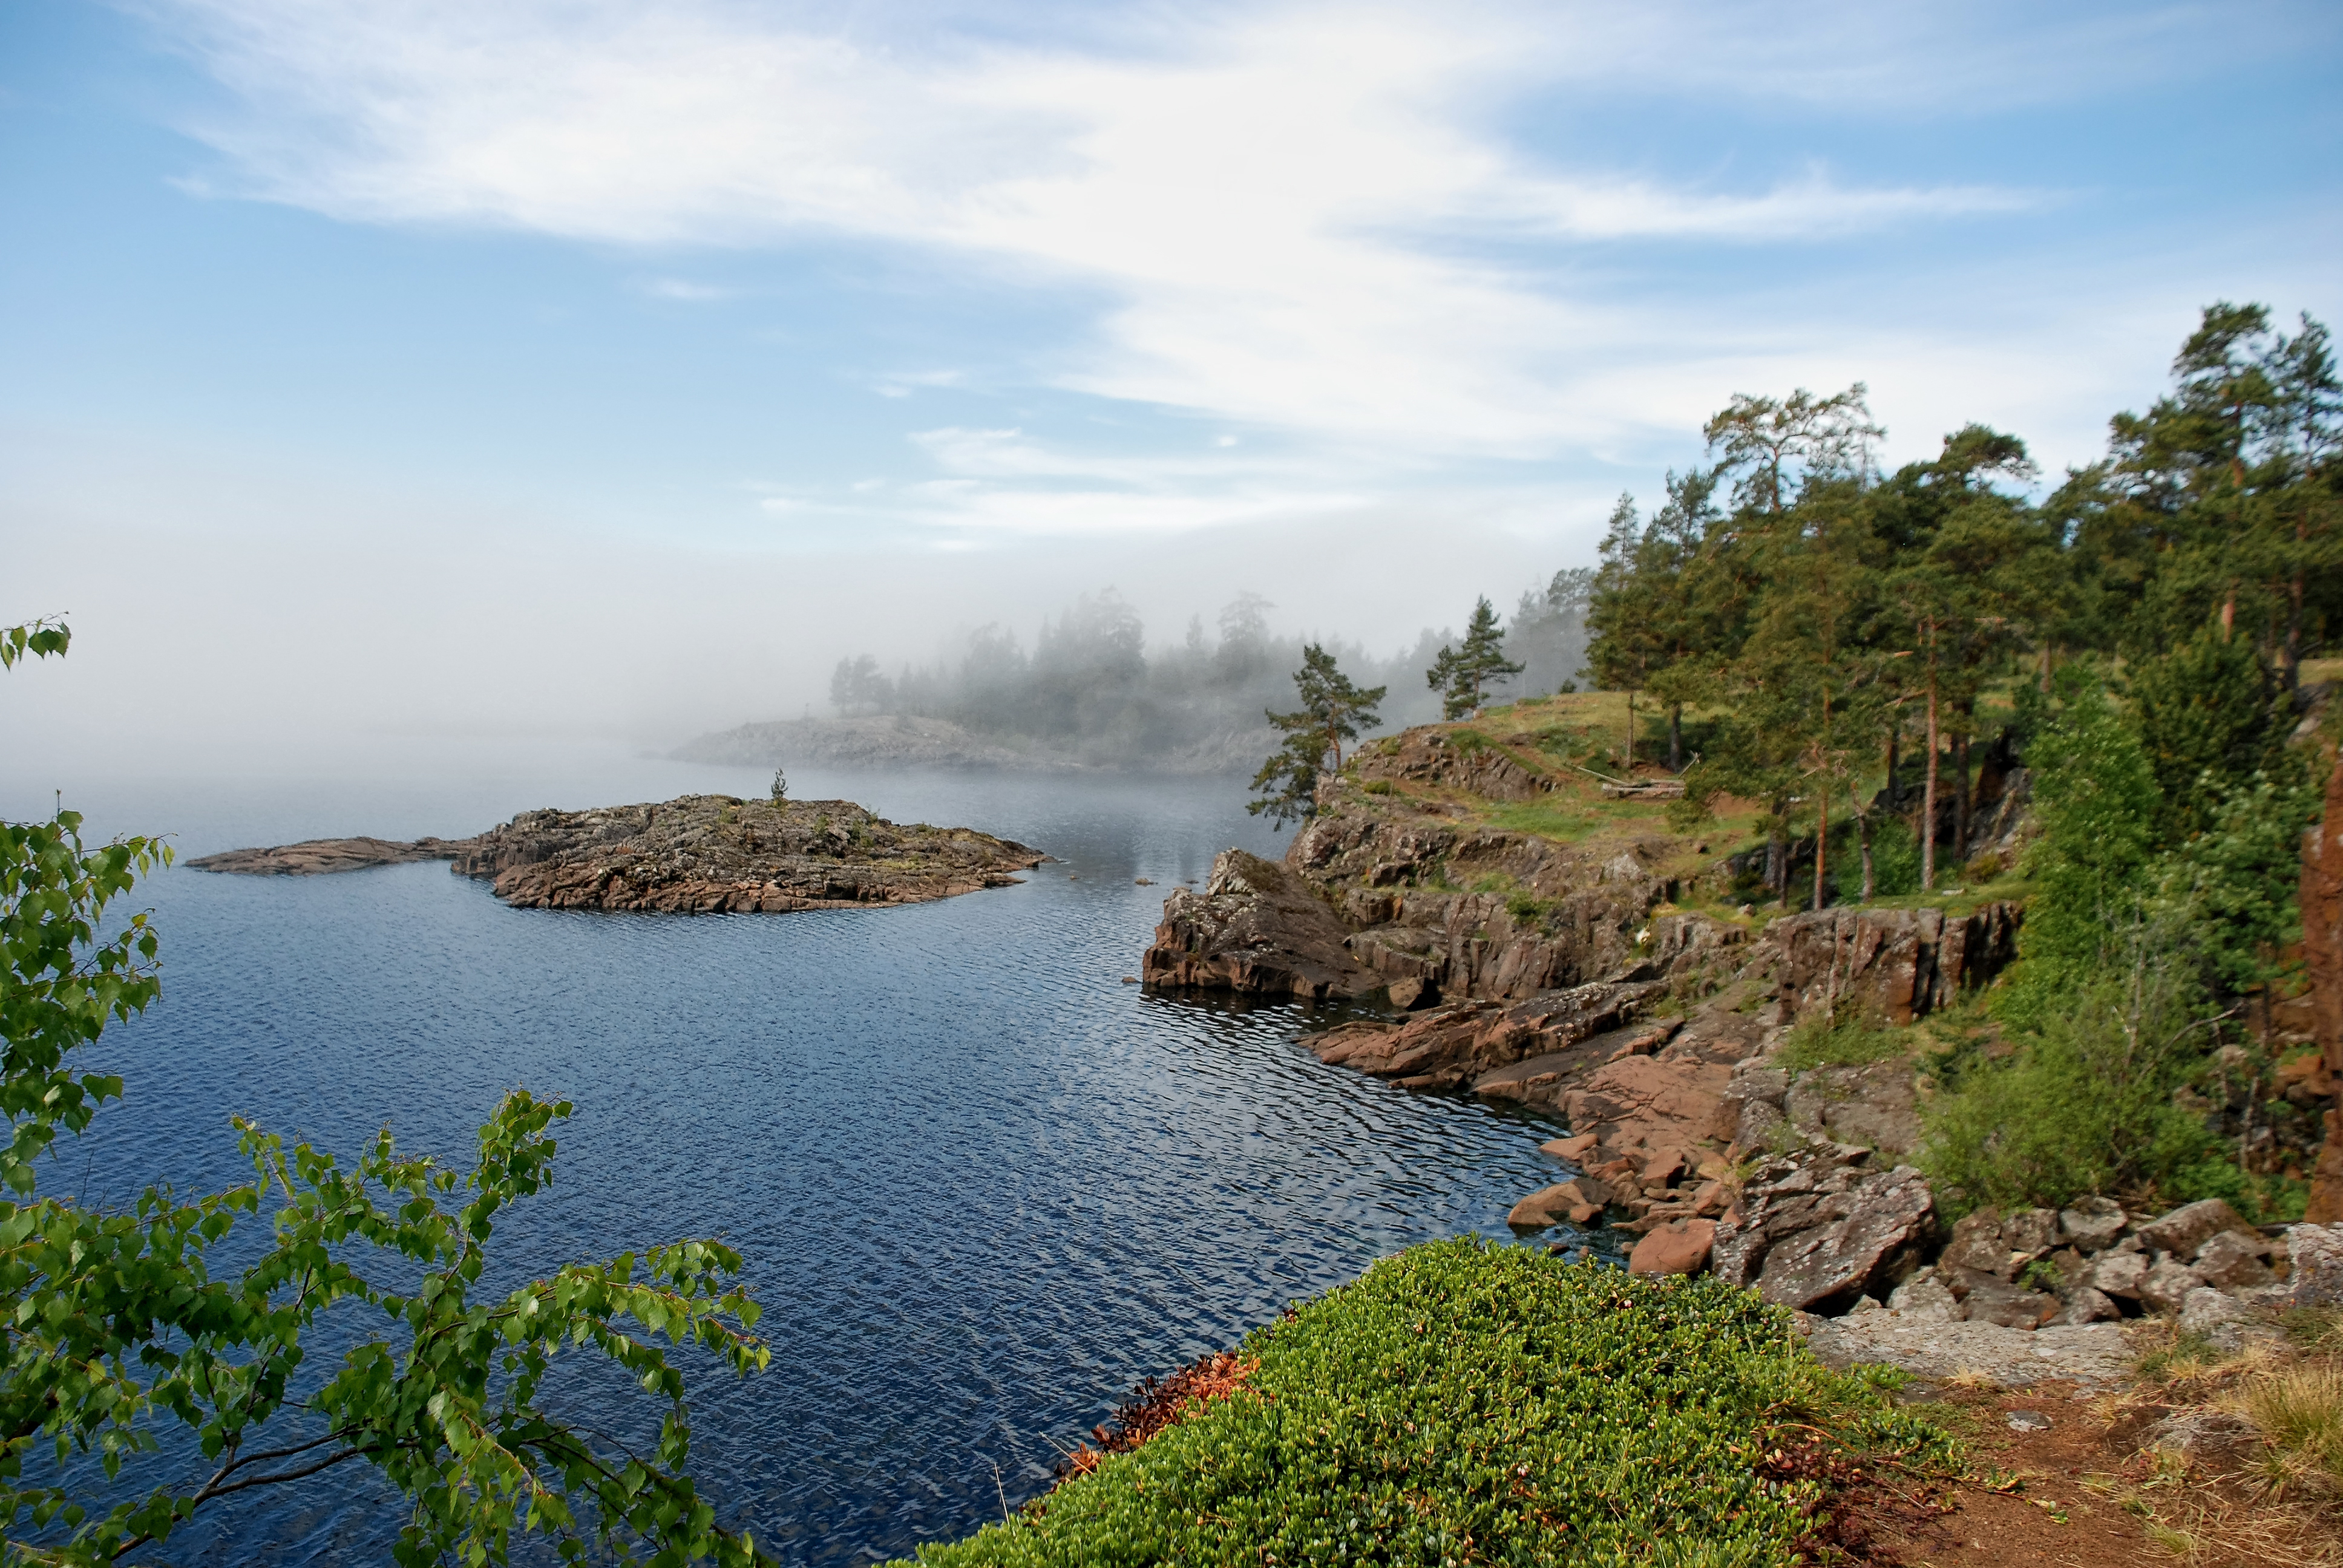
[[645, 359]]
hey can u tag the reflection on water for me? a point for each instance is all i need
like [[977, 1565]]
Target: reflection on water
[[982, 1185]]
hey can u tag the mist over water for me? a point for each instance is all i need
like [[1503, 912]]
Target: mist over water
[[982, 1186]]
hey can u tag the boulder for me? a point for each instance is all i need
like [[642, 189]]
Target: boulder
[[2168, 1285], [2227, 1323], [1991, 1301], [2033, 1232], [1678, 1247], [2122, 1274], [1816, 1233], [2228, 1261], [1256, 927], [1563, 1201], [1923, 1299], [2183, 1230], [2085, 1305], [2315, 1254], [2093, 1224], [1876, 1105], [1979, 1247]]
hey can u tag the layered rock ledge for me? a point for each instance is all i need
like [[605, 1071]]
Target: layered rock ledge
[[695, 854]]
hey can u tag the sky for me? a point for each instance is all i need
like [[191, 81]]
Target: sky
[[430, 370]]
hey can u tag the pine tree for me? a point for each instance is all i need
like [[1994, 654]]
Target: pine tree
[[1332, 710], [1459, 675]]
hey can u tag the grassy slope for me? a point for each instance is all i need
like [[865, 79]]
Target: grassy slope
[[1469, 1403], [1549, 734]]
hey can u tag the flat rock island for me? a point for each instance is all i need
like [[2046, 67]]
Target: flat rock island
[[695, 854]]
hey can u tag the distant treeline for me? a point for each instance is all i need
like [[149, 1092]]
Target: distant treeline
[[1091, 684], [1807, 626]]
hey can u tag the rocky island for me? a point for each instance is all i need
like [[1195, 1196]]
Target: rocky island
[[694, 854]]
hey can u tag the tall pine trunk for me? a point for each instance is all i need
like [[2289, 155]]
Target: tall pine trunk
[[1928, 799], [1822, 804], [1675, 732], [1894, 735]]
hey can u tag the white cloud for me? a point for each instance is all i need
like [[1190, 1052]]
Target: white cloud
[[1257, 193], [1308, 224]]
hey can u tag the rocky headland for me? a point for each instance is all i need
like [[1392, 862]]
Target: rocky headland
[[1543, 937], [695, 854]]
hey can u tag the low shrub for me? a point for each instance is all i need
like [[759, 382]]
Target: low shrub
[[2085, 1105], [1850, 1041], [1894, 858], [1377, 786], [1470, 1402]]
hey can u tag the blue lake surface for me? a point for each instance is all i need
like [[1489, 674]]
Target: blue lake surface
[[982, 1186]]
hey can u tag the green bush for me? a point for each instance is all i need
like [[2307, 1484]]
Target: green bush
[[1894, 858], [1817, 1041], [1469, 1401], [2086, 1104]]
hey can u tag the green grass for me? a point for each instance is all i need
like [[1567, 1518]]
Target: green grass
[[1566, 820], [1469, 1401], [1850, 1043]]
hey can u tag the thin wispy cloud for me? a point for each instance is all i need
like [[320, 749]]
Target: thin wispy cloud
[[1301, 219]]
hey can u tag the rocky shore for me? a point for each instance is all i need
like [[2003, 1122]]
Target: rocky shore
[[1557, 970], [695, 854]]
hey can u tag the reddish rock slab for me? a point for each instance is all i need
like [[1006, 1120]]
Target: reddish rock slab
[[1678, 1247]]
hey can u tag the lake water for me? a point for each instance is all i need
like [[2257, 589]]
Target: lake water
[[982, 1186]]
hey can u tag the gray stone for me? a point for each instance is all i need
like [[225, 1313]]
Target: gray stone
[[1854, 1242], [2199, 1429], [2168, 1285], [2093, 1224], [1923, 1298], [2183, 1230], [1993, 1300], [2316, 1255], [2227, 1323], [2121, 1274], [2227, 1260], [1757, 1124], [2092, 1354], [1875, 1106], [2085, 1305], [1977, 1245], [2033, 1232], [2204, 1307]]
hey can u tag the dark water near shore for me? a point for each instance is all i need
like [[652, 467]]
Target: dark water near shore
[[982, 1186]]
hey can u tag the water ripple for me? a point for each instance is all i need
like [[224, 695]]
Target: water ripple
[[982, 1186]]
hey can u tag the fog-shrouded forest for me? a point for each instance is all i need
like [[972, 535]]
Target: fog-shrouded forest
[[1094, 688]]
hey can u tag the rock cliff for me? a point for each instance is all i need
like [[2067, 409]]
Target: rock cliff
[[698, 853], [1522, 915]]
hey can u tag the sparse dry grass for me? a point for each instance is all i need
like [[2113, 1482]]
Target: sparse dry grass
[[2268, 1488]]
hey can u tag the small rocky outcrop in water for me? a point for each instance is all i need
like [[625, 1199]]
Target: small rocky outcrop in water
[[1256, 927], [698, 853], [320, 856]]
